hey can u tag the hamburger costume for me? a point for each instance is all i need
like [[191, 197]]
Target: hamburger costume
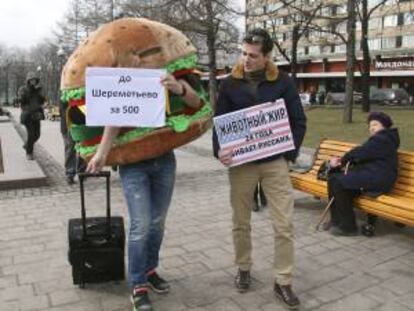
[[135, 43], [144, 155]]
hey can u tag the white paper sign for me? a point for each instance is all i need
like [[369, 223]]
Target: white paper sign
[[256, 132], [125, 97]]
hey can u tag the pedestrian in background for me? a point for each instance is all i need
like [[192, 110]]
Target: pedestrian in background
[[73, 163], [31, 104], [256, 80]]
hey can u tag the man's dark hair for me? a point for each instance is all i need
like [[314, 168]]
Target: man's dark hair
[[260, 36]]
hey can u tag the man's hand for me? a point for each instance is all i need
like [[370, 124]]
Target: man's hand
[[225, 156], [172, 84], [96, 164]]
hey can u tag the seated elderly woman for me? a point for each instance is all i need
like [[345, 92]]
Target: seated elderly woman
[[373, 171]]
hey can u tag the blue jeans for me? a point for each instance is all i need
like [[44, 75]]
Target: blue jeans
[[148, 187]]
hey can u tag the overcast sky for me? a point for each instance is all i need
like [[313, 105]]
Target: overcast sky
[[23, 23]]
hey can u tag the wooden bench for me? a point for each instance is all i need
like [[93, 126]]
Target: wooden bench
[[52, 113], [398, 205]]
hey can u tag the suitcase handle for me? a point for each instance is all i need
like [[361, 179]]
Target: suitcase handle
[[82, 177]]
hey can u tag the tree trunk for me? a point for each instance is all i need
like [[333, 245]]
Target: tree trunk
[[211, 46], [6, 87], [366, 62], [350, 58], [294, 58]]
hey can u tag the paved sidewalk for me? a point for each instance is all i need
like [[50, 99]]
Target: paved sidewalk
[[355, 273]]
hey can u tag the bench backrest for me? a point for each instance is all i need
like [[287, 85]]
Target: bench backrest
[[405, 182]]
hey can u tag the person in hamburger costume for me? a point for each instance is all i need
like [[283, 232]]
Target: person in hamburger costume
[[144, 155]]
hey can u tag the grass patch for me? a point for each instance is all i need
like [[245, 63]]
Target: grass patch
[[327, 123]]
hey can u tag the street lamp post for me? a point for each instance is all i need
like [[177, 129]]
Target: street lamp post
[[61, 58]]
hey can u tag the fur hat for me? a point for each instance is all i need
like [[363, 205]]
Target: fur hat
[[381, 117]]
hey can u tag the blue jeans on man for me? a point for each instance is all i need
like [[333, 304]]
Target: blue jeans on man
[[148, 186]]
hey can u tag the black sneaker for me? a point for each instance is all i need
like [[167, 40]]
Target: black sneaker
[[140, 299], [287, 296], [242, 281], [70, 180], [157, 283]]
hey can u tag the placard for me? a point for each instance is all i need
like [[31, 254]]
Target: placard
[[125, 97], [256, 132]]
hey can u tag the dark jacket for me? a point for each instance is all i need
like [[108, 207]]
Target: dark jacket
[[31, 97], [376, 163], [235, 94]]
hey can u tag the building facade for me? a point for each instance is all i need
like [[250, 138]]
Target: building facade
[[320, 49]]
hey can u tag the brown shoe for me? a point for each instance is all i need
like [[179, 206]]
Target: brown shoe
[[287, 296], [242, 281]]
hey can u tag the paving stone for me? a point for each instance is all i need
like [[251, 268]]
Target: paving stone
[[355, 302], [197, 257], [400, 284], [8, 281], [392, 306], [62, 297], [224, 305], [34, 303], [354, 283], [326, 293], [16, 292]]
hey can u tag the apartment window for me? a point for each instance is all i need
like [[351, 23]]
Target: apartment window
[[301, 50], [341, 28], [278, 21], [408, 41], [326, 49], [340, 48], [390, 21], [314, 50], [375, 23], [408, 18], [388, 43], [372, 3], [287, 36], [326, 11], [274, 6], [341, 9], [278, 37], [374, 44]]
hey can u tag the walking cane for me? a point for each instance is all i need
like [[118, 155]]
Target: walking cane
[[326, 210]]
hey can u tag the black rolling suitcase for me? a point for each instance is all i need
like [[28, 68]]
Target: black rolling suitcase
[[96, 244]]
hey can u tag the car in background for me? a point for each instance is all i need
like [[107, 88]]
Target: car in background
[[338, 98], [305, 99], [390, 97]]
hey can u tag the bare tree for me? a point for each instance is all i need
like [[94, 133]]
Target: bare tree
[[309, 19], [208, 23], [350, 65], [364, 14], [300, 16]]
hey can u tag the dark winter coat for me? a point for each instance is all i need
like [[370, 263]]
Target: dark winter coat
[[376, 163], [235, 94], [31, 98]]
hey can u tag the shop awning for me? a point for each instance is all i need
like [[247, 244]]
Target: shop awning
[[342, 74]]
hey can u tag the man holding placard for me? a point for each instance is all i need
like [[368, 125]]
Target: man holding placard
[[259, 127]]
